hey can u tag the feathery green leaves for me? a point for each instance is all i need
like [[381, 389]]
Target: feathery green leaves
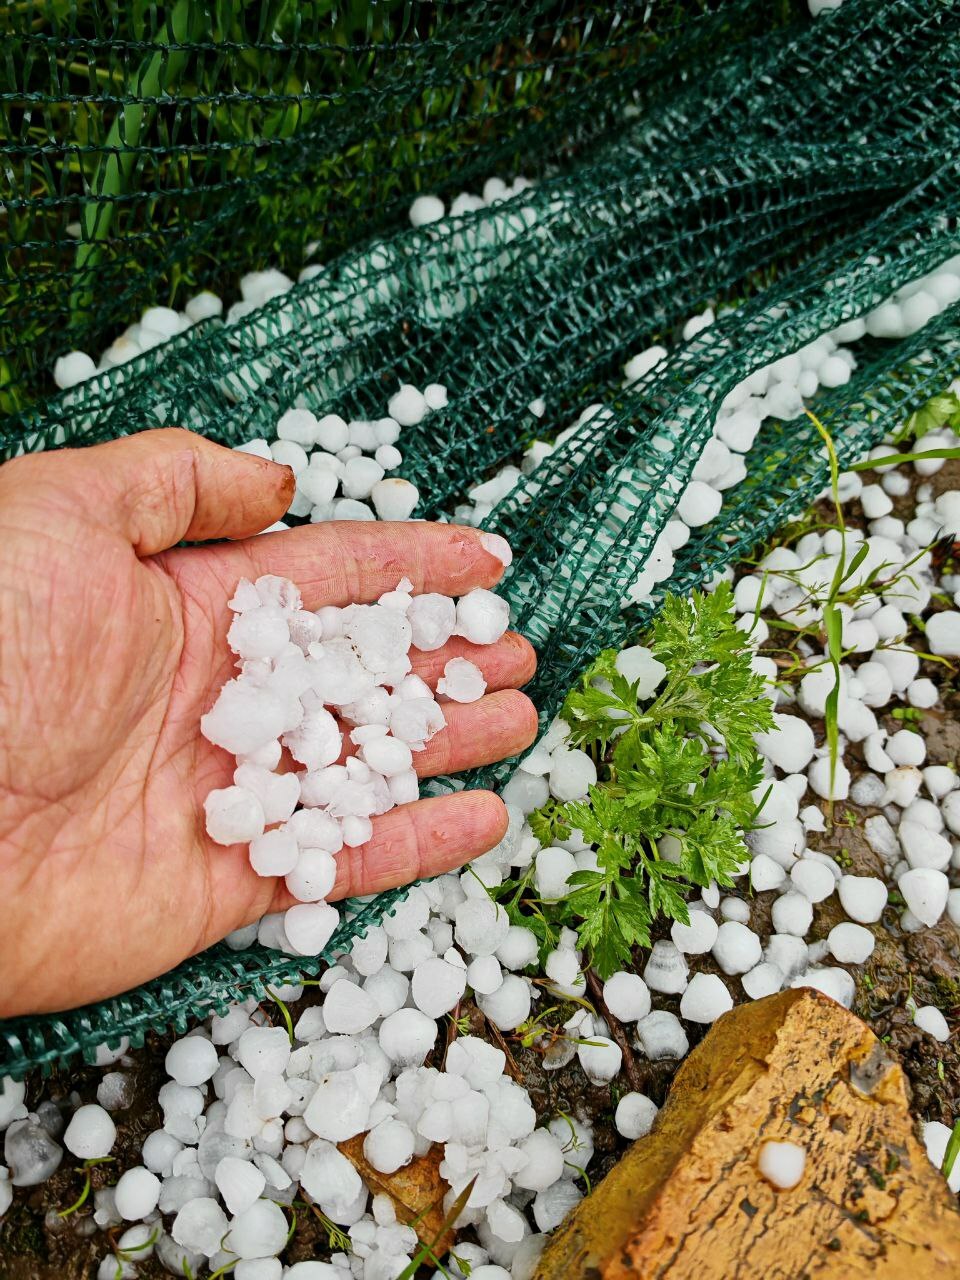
[[676, 779]]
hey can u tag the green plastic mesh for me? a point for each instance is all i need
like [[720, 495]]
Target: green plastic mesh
[[152, 149], [809, 176]]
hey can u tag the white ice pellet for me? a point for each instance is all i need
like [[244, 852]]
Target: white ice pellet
[[191, 1061], [736, 948], [923, 847], [259, 1232], [699, 504], [789, 744], [922, 693], [389, 1146], [638, 665], [863, 898], [939, 780], [929, 1018], [782, 1163], [393, 497], [73, 368], [274, 853], [200, 1226], [763, 980], [407, 1036], [943, 633], [697, 937], [484, 975], [509, 1005], [572, 774], [543, 1161], [136, 1193], [732, 908], [482, 617], [666, 969], [835, 983], [233, 816], [407, 406], [850, 943], [813, 879], [263, 1050], [91, 1133], [635, 1115], [12, 1094], [626, 996], [239, 1182], [553, 867], [462, 681], [600, 1058], [426, 209], [829, 779], [661, 1035], [437, 986], [309, 926], [792, 913], [924, 890], [480, 926], [348, 1010], [518, 949], [706, 996], [388, 756], [788, 952], [432, 619], [312, 878], [935, 1139], [244, 718], [950, 808]]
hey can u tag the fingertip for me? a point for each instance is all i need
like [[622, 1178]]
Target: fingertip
[[480, 557], [286, 483], [497, 546], [492, 815], [274, 482], [522, 717], [526, 656]]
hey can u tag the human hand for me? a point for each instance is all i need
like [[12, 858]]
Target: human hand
[[112, 645]]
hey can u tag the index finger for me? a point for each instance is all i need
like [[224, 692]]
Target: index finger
[[343, 562]]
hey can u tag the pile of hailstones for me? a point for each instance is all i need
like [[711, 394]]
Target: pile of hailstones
[[303, 675]]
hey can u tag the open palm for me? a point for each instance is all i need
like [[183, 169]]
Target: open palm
[[112, 645]]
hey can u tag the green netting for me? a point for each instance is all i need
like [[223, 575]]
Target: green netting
[[150, 149], [807, 177]]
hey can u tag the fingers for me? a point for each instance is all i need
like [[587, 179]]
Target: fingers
[[507, 664], [496, 727], [353, 562], [417, 841], [413, 842], [165, 486]]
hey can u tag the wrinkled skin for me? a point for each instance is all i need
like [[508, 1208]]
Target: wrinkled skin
[[113, 644]]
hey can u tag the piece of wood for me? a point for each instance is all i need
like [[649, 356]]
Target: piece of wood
[[417, 1191], [688, 1202]]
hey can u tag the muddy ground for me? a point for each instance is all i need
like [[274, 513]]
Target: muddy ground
[[35, 1244]]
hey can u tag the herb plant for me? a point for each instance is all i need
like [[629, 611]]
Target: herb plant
[[681, 764]]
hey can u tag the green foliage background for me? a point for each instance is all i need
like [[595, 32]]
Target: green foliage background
[[150, 149]]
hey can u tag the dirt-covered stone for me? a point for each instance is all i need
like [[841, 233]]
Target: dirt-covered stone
[[691, 1200]]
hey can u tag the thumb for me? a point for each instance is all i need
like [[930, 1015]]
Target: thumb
[[164, 486]]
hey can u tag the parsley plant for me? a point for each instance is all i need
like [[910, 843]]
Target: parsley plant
[[681, 764]]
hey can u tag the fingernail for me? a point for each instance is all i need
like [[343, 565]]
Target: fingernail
[[498, 547]]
